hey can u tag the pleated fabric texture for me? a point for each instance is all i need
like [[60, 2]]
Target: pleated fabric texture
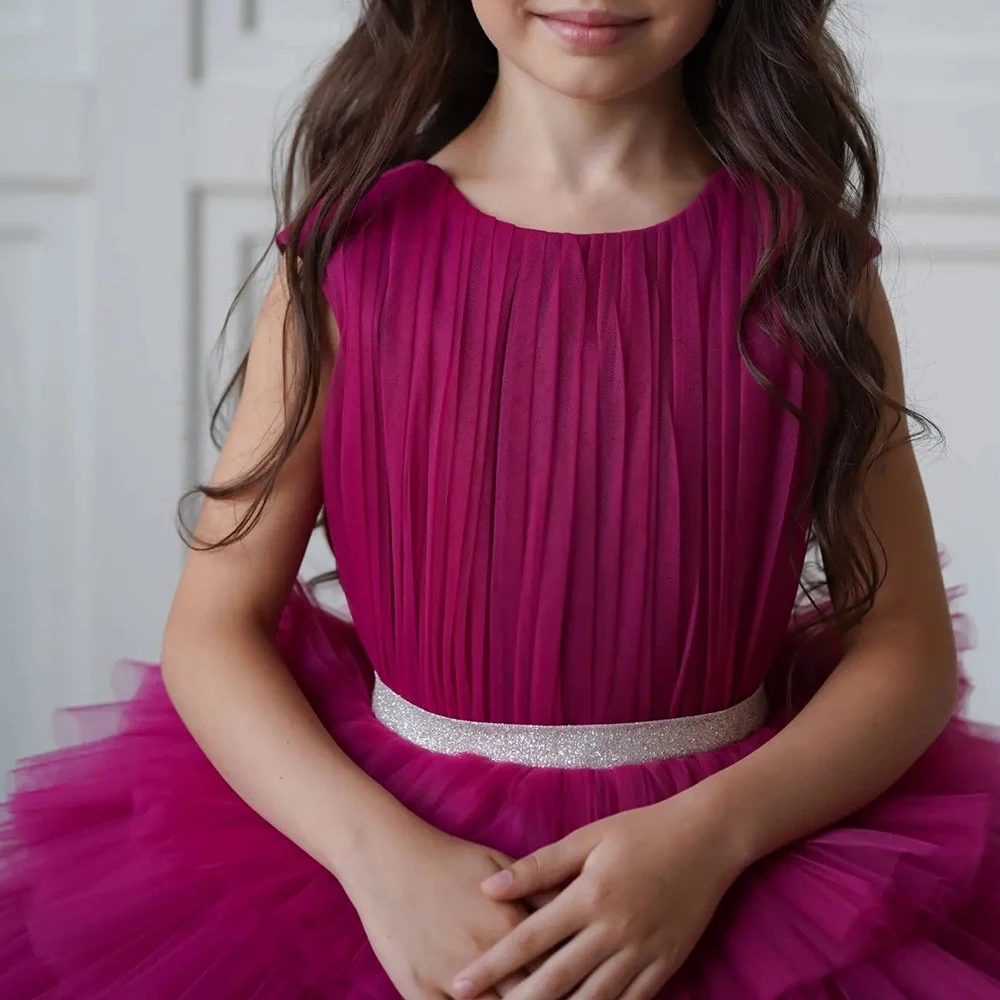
[[555, 492], [556, 495]]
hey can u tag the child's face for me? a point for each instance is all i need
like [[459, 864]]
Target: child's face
[[595, 49]]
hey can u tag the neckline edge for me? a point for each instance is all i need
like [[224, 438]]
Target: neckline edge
[[710, 182]]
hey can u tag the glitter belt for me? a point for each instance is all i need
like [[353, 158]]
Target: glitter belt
[[610, 744]]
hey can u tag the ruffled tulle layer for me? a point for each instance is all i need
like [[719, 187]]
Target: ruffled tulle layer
[[130, 869]]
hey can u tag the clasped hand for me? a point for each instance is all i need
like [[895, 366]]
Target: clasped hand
[[635, 891]]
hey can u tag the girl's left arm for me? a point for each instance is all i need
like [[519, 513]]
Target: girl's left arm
[[615, 929], [894, 689]]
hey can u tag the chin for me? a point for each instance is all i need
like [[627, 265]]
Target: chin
[[603, 83], [597, 51]]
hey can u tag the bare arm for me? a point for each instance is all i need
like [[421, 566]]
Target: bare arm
[[220, 665], [615, 924], [894, 689], [242, 705]]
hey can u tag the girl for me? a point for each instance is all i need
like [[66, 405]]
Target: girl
[[578, 343]]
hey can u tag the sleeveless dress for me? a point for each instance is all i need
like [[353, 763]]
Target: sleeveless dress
[[556, 495]]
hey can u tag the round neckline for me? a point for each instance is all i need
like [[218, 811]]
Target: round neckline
[[671, 220]]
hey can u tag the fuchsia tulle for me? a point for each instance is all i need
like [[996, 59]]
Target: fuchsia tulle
[[133, 871], [556, 495]]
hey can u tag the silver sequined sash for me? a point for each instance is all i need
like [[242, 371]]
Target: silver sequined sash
[[611, 744]]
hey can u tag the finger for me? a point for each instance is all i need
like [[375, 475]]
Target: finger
[[567, 967], [533, 903], [649, 982], [609, 980], [529, 940], [538, 899], [546, 868], [508, 983], [490, 994], [536, 963]]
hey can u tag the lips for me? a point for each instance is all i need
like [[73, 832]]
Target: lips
[[589, 30], [590, 18]]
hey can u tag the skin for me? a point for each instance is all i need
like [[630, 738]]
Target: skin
[[243, 707], [568, 142], [616, 929]]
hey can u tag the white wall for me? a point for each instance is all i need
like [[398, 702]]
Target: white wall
[[934, 75], [134, 142], [134, 155]]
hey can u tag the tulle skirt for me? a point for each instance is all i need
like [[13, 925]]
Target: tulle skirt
[[130, 871]]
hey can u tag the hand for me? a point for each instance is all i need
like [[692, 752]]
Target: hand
[[424, 913], [645, 884]]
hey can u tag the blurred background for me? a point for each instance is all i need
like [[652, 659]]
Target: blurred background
[[135, 143]]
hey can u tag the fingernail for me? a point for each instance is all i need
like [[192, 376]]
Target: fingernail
[[499, 881], [463, 986]]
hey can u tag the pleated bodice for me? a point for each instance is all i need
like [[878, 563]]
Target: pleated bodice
[[554, 490]]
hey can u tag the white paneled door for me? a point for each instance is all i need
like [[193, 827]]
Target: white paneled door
[[934, 73], [134, 193]]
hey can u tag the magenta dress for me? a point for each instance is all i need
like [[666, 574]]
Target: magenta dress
[[556, 495]]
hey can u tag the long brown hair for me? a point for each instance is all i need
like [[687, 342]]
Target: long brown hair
[[771, 93]]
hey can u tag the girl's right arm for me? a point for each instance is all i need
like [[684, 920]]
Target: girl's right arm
[[220, 665], [243, 707]]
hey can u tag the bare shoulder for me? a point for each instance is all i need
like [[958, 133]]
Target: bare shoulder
[[251, 578]]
